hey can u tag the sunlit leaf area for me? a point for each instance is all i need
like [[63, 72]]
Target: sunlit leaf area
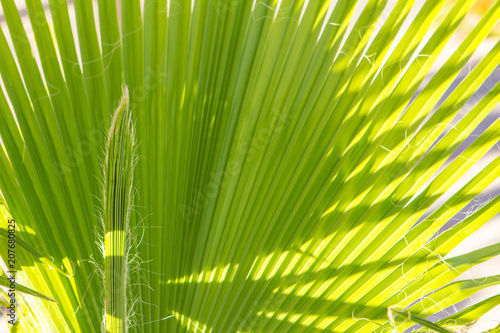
[[247, 166]]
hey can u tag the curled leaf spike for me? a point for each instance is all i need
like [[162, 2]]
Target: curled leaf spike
[[118, 183]]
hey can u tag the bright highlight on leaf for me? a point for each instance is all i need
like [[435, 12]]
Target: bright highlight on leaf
[[301, 163]]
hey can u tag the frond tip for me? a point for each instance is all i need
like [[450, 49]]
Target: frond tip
[[392, 314]]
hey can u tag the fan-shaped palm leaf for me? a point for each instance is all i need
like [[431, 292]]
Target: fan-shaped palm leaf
[[294, 173]]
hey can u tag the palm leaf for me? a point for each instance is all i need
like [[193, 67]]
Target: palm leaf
[[297, 171]]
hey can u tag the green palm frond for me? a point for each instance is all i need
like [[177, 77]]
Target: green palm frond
[[274, 165]]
